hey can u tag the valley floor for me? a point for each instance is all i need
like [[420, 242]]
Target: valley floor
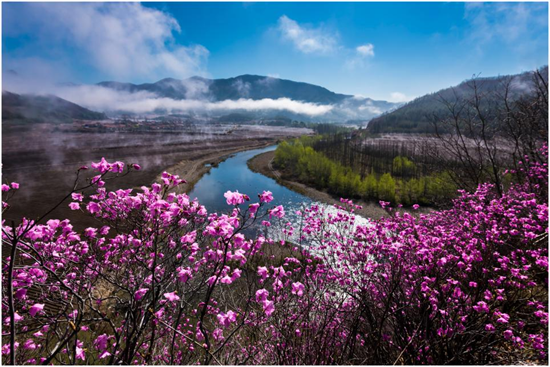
[[44, 160]]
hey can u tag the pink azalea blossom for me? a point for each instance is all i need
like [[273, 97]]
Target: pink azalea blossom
[[234, 198], [278, 212], [140, 293], [266, 197], [298, 289], [172, 297], [36, 308]]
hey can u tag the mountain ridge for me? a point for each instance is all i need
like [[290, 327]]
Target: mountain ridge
[[248, 86]]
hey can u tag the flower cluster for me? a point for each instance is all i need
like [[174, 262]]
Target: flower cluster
[[162, 281]]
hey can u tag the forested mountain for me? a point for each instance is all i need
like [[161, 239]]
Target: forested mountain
[[415, 116]]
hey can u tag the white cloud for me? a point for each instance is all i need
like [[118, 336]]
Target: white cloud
[[366, 49], [398, 97], [306, 39], [105, 99], [119, 39], [359, 56]]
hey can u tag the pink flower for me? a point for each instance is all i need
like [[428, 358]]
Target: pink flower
[[14, 185], [93, 207], [384, 204], [21, 293], [104, 354], [489, 327], [253, 208], [36, 308], [278, 212], [481, 307], [266, 197], [268, 307], [503, 318], [416, 206], [117, 167], [184, 275], [102, 166], [298, 289], [261, 295], [172, 297], [74, 206], [5, 187], [226, 280], [140, 293], [227, 319], [263, 272], [77, 196], [29, 344], [90, 232], [80, 353], [234, 198], [508, 334], [101, 342], [137, 167], [6, 348]]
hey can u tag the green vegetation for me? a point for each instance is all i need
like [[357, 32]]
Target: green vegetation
[[404, 184]]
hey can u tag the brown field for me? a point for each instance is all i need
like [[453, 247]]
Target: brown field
[[44, 159]]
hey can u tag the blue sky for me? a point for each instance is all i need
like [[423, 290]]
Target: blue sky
[[389, 51]]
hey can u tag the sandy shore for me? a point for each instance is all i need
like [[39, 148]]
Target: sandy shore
[[262, 164]]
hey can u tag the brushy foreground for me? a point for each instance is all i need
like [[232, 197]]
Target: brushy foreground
[[162, 281]]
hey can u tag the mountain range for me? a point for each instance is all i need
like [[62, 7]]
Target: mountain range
[[256, 88], [253, 87], [244, 98], [258, 97]]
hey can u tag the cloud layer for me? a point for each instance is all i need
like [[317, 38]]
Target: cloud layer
[[106, 99]]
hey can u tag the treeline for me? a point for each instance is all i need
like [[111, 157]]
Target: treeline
[[402, 184]]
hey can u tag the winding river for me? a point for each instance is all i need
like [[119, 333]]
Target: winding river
[[234, 174]]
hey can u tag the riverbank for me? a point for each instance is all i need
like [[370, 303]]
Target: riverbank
[[262, 164], [192, 170]]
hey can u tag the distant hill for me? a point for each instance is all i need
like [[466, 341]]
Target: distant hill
[[243, 86], [35, 108], [414, 116]]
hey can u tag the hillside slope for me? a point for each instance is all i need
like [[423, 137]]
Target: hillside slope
[[414, 117], [48, 108]]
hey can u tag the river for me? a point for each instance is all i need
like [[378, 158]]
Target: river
[[233, 174]]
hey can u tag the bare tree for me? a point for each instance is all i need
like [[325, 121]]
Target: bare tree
[[485, 130]]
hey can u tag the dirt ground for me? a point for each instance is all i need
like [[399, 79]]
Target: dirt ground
[[44, 160]]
